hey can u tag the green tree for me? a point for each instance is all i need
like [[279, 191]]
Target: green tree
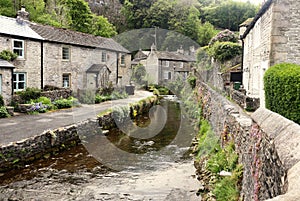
[[101, 27], [230, 14], [136, 11], [206, 33], [7, 8]]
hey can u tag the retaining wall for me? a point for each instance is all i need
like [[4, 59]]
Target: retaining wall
[[266, 142], [27, 150]]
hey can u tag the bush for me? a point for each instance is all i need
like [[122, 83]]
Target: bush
[[3, 112], [65, 103], [192, 81], [29, 94], [224, 36], [1, 101], [8, 55], [224, 51], [282, 90]]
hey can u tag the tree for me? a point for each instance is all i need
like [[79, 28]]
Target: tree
[[7, 8], [101, 27], [206, 33], [136, 11], [229, 15]]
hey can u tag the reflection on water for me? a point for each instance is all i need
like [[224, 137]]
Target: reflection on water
[[168, 146]]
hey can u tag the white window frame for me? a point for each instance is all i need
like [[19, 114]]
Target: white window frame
[[167, 63], [17, 49], [66, 83], [17, 81], [68, 53], [103, 56], [181, 64], [123, 59]]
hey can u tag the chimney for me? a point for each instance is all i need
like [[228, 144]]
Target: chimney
[[153, 47], [22, 15], [180, 50]]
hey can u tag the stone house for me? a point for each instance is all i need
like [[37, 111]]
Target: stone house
[[272, 37], [164, 66], [60, 57], [6, 74]]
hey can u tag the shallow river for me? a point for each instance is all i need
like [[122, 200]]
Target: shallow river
[[116, 166]]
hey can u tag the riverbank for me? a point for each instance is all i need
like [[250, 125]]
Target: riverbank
[[27, 138]]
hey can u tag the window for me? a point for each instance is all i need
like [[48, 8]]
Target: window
[[18, 48], [66, 80], [123, 59], [103, 58], [167, 75], [181, 65], [66, 53], [167, 63], [19, 81]]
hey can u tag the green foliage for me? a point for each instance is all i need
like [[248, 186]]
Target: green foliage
[[224, 51], [192, 81], [65, 103], [226, 190], [282, 90], [44, 100], [102, 27], [224, 36], [138, 73], [228, 14], [1, 101], [29, 94], [6, 8], [3, 112], [206, 33], [8, 55]]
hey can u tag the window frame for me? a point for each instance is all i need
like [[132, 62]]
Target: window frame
[[17, 81], [0, 83], [66, 75], [22, 49], [69, 53], [103, 56], [167, 64], [122, 60]]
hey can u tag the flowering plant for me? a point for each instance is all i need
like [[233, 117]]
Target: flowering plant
[[38, 107]]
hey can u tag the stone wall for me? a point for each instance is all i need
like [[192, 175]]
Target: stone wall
[[264, 173], [57, 94], [244, 101], [6, 87], [30, 149]]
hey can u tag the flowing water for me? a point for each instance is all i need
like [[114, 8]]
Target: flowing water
[[115, 166]]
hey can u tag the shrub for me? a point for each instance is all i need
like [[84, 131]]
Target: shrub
[[38, 108], [44, 100], [282, 90], [30, 94], [192, 81], [65, 103], [224, 36], [3, 112], [1, 101], [223, 51], [8, 55]]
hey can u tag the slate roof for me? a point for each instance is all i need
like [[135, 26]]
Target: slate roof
[[174, 56], [17, 27], [67, 36], [96, 68], [5, 64]]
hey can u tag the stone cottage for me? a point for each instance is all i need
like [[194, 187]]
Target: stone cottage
[[272, 37], [164, 66], [60, 57]]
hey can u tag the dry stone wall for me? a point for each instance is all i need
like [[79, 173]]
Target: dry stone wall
[[264, 174]]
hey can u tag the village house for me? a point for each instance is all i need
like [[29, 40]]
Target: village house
[[272, 37], [60, 57], [165, 66]]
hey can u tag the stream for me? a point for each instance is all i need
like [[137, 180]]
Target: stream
[[115, 166]]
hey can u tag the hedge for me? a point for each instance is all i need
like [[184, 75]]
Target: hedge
[[282, 90], [224, 51]]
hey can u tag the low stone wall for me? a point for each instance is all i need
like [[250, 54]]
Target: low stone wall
[[57, 94], [245, 102], [264, 174], [27, 150]]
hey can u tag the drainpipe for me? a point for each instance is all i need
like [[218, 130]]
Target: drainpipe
[[242, 61], [117, 77], [42, 65], [12, 81]]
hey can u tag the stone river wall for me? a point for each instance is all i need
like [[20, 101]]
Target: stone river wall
[[268, 145], [27, 150]]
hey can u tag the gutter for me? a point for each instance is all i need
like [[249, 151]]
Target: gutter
[[117, 76], [42, 64]]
